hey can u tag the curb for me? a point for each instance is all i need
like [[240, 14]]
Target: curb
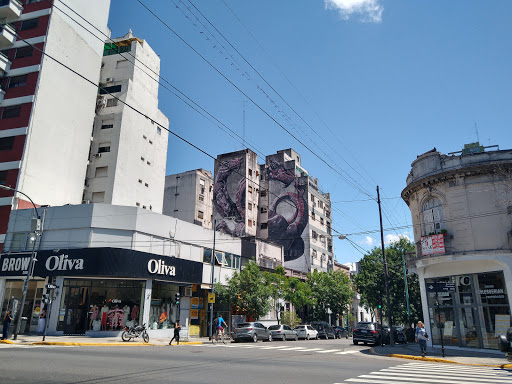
[[124, 344], [7, 342], [441, 360]]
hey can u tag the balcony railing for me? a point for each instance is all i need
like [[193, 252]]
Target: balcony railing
[[10, 9], [5, 64], [267, 262]]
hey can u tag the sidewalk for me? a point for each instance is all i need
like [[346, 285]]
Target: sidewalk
[[96, 341], [455, 356]]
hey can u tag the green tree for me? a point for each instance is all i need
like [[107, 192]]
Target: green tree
[[330, 290], [276, 284], [247, 292], [290, 318], [370, 282]]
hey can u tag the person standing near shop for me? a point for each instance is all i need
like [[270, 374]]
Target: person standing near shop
[[42, 322], [7, 324], [421, 338], [176, 336]]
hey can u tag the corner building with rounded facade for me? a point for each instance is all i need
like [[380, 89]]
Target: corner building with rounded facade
[[461, 207]]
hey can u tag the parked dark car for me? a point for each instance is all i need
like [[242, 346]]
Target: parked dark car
[[505, 344], [251, 332], [341, 332], [367, 332], [283, 332], [324, 330]]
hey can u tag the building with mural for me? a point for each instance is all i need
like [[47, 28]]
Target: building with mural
[[461, 207]]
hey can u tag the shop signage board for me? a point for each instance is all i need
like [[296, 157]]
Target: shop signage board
[[432, 245], [441, 286], [211, 298], [103, 262]]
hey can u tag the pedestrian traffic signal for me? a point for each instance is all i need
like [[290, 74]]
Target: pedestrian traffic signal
[[177, 298]]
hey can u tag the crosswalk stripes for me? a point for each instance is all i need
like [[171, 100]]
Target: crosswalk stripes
[[280, 348], [431, 373]]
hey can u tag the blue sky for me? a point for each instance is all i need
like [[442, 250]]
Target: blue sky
[[367, 86]]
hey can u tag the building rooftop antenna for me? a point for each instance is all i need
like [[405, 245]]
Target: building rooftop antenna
[[476, 131]]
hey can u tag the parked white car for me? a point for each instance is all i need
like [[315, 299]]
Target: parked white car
[[306, 332]]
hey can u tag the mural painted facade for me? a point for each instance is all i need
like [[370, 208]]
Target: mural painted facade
[[288, 212]]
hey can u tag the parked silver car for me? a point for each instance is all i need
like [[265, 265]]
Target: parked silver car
[[283, 332], [306, 332], [251, 332]]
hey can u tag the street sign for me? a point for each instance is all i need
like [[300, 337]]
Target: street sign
[[51, 286], [211, 298], [441, 286]]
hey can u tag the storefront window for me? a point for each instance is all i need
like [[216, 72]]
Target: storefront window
[[100, 305], [164, 311], [32, 308], [464, 287], [207, 255]]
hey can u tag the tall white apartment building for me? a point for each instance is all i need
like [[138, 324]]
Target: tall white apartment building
[[46, 110], [128, 151], [188, 196]]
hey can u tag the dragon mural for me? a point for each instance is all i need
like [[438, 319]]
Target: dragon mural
[[287, 214], [229, 208]]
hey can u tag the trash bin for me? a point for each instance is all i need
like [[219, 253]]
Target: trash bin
[[23, 325]]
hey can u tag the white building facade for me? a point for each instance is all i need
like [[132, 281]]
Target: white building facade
[[461, 207], [188, 196], [128, 151]]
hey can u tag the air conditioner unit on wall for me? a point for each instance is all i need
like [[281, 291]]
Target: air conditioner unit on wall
[[98, 155], [110, 79], [187, 292], [86, 201]]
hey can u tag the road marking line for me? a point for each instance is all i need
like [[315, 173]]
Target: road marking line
[[328, 351], [424, 378], [478, 372], [271, 347], [311, 349], [346, 352]]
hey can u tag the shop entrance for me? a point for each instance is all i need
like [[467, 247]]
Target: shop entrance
[[75, 310]]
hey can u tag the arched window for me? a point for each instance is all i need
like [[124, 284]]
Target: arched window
[[433, 216]]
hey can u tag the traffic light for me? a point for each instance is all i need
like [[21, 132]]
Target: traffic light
[[177, 298], [380, 302], [46, 298]]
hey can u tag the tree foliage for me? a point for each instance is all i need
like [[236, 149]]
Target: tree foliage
[[276, 284], [330, 290], [370, 282]]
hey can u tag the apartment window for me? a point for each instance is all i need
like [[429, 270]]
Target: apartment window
[[18, 81], [144, 137], [140, 181], [112, 102], [257, 173], [433, 216], [142, 158], [101, 172], [314, 235], [3, 177], [263, 193], [250, 172], [263, 209], [28, 24], [6, 143], [264, 225], [111, 89], [322, 220], [249, 206], [107, 126], [200, 215], [103, 149], [150, 142], [33, 1], [312, 198], [313, 216], [249, 189], [10, 112], [201, 197], [159, 130], [320, 204], [148, 162], [249, 223], [314, 254], [24, 52], [146, 185], [328, 213]]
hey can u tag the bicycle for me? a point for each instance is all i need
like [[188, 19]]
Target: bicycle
[[219, 336]]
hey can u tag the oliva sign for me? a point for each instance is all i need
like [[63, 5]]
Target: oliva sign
[[53, 263], [160, 268]]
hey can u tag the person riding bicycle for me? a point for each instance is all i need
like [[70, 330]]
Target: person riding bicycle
[[218, 325]]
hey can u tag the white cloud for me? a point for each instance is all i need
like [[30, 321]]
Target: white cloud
[[370, 11], [368, 241], [390, 238]]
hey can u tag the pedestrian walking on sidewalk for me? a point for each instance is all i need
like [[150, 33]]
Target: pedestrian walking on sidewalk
[[7, 324], [421, 338], [176, 333], [41, 324]]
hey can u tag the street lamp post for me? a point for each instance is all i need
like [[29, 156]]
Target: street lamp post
[[36, 224], [210, 330]]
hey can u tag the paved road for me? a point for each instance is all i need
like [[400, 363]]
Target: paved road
[[318, 362]]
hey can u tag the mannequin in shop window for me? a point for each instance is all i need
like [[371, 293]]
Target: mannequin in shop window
[[94, 315], [126, 313], [135, 313], [104, 312], [163, 318]]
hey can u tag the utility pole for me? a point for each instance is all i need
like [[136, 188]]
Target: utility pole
[[406, 294], [386, 282], [210, 330]]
